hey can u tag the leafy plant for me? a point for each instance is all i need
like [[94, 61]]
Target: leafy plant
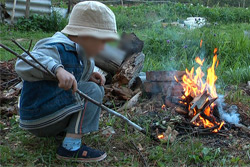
[[54, 22]]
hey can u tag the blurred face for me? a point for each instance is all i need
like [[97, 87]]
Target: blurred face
[[92, 46]]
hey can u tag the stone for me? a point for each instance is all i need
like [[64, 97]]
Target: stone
[[166, 88], [248, 84], [164, 75]]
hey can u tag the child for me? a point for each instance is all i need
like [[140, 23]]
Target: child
[[48, 107]]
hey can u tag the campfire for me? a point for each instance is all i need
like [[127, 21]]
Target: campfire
[[199, 96]]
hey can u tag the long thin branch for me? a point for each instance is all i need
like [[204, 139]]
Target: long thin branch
[[20, 57], [26, 51], [30, 45]]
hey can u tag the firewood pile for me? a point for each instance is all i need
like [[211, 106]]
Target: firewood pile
[[122, 66], [10, 89], [8, 75], [167, 87]]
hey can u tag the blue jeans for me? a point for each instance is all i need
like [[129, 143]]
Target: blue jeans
[[84, 121]]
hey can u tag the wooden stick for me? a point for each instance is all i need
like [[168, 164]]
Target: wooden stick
[[69, 6], [195, 117], [30, 45], [207, 104], [243, 127], [20, 57], [81, 94], [13, 12], [26, 51], [248, 155], [27, 10], [142, 157]]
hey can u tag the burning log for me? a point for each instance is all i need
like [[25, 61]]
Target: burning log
[[200, 100], [199, 97], [195, 117]]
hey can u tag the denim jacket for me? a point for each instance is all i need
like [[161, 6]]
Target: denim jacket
[[41, 97]]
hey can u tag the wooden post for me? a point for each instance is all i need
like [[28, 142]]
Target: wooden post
[[13, 12], [69, 6], [27, 11], [208, 2]]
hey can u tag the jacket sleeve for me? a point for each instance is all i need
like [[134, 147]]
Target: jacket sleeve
[[47, 55]]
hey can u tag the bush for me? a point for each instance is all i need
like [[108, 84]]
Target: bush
[[52, 23]]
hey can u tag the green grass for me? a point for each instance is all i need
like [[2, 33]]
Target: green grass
[[234, 50], [20, 148], [8, 33]]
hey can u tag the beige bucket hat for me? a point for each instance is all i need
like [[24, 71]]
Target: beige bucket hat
[[92, 18]]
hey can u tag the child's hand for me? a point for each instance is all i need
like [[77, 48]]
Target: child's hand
[[66, 80], [98, 78]]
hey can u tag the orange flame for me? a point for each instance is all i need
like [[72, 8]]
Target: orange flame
[[217, 63], [201, 43], [194, 85], [215, 51], [176, 79], [199, 61], [160, 136]]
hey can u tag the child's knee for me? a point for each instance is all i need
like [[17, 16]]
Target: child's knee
[[97, 91], [93, 90]]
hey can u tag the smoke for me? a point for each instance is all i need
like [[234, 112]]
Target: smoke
[[230, 115]]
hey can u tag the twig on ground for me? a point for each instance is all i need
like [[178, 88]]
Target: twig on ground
[[248, 155], [9, 82], [243, 127], [142, 157]]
